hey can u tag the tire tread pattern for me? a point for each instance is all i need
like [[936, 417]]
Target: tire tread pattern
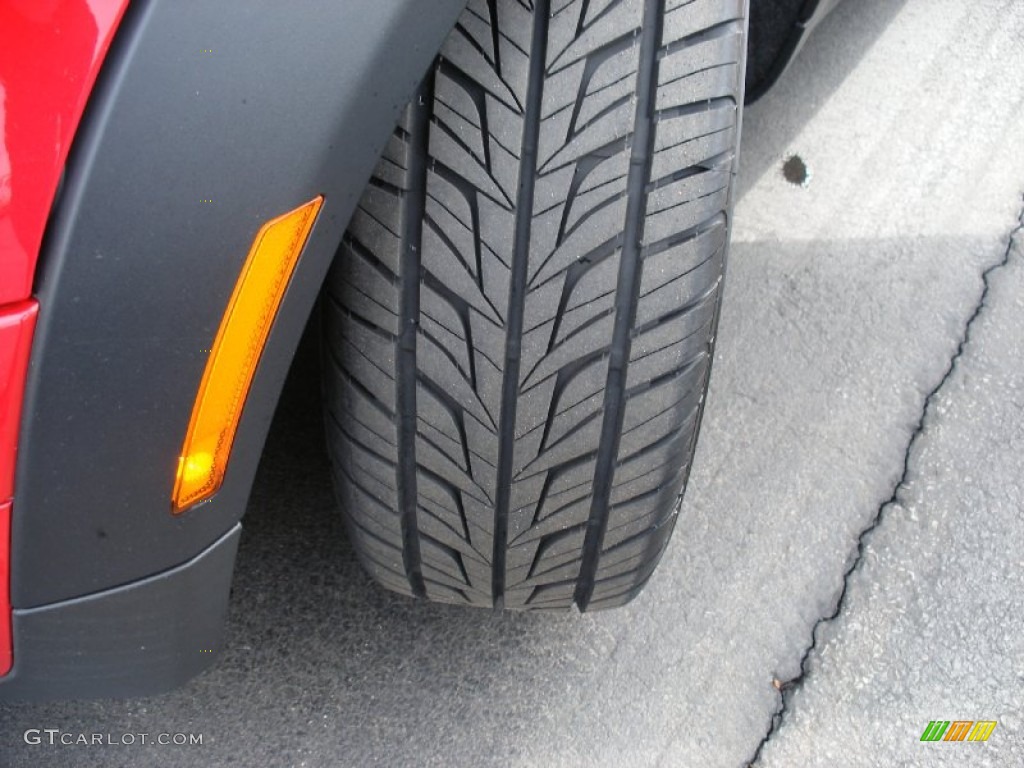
[[520, 320]]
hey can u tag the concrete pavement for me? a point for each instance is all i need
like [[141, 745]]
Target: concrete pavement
[[848, 397]]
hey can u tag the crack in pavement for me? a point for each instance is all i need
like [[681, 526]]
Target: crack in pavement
[[789, 687]]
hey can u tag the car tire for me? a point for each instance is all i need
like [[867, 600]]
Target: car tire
[[519, 323]]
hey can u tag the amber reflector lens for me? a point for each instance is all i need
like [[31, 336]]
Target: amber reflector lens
[[236, 352]]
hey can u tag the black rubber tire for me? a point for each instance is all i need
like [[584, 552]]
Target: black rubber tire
[[520, 321]]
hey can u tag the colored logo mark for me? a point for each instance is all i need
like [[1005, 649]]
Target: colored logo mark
[[958, 730]]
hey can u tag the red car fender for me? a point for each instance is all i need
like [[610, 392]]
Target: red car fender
[[51, 55]]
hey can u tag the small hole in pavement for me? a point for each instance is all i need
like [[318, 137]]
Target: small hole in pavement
[[795, 170]]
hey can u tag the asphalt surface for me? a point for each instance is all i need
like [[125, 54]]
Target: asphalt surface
[[849, 563]]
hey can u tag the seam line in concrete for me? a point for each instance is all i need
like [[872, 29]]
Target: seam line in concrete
[[789, 687]]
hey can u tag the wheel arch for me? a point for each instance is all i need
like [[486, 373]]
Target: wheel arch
[[206, 121]]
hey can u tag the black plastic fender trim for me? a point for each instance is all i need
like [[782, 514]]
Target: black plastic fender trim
[[208, 119], [138, 639]]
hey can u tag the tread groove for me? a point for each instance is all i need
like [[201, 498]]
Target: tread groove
[[517, 293], [408, 322], [641, 157]]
